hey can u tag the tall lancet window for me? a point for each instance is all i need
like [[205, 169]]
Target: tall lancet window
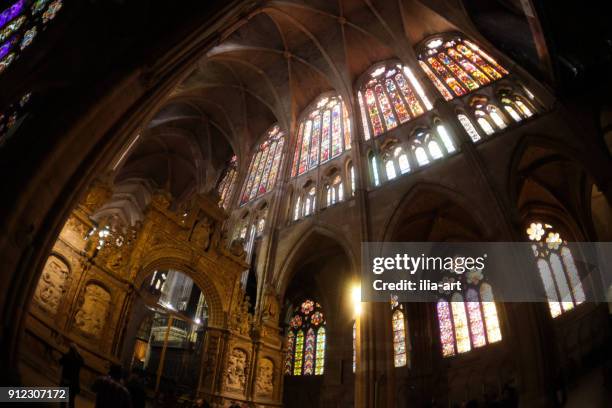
[[389, 96], [306, 341], [323, 134], [467, 319], [457, 66], [21, 21], [228, 182], [400, 351], [264, 166], [557, 268]]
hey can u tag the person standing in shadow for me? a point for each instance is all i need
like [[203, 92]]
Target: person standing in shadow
[[71, 363], [110, 392], [136, 387]]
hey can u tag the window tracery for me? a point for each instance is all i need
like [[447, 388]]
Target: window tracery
[[400, 351], [557, 268], [265, 163], [389, 97], [457, 66], [323, 134], [306, 341], [20, 23], [228, 182], [468, 320]]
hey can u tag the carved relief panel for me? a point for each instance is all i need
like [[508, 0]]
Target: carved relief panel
[[52, 284], [264, 382], [92, 315], [236, 372]]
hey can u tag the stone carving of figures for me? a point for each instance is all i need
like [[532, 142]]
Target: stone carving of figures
[[235, 376], [91, 316], [52, 284], [201, 234], [264, 383]]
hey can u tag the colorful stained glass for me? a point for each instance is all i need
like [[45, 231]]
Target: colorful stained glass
[[354, 346], [474, 72], [336, 139], [385, 106], [309, 353], [461, 323], [452, 83], [289, 354], [266, 170], [20, 25], [437, 83], [305, 148], [316, 141], [458, 72], [486, 56], [417, 87], [476, 59], [322, 135], [467, 64], [364, 118], [475, 318], [226, 186], [399, 339], [490, 313], [447, 336], [264, 166], [11, 12], [307, 307], [320, 352], [373, 112], [298, 148], [299, 353], [413, 103], [278, 154], [11, 28], [346, 129], [398, 103]]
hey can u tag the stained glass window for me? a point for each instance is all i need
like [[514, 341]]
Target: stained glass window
[[20, 23], [307, 355], [557, 268], [468, 319], [457, 67], [264, 166], [324, 134], [13, 116], [390, 96], [399, 337], [352, 176], [228, 182], [354, 345]]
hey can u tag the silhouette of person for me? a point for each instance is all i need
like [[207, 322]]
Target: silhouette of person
[[110, 393], [71, 363]]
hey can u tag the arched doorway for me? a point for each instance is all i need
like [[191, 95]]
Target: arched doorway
[[165, 333]]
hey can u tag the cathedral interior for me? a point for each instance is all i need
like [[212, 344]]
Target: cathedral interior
[[191, 183]]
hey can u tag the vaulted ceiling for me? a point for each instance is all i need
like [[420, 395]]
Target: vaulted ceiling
[[266, 69]]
